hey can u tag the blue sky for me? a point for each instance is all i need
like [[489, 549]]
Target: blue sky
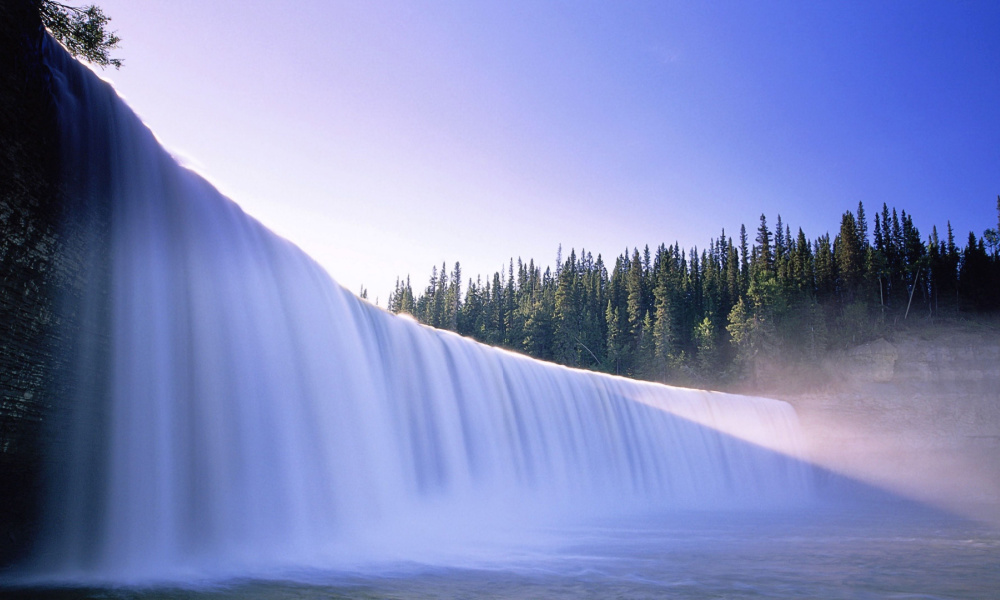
[[386, 137]]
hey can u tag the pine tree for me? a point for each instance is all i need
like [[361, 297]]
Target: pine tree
[[744, 261], [663, 337], [393, 304], [974, 276], [878, 243], [744, 333], [935, 267], [706, 347], [635, 300], [401, 299], [646, 349], [567, 314], [848, 256], [472, 319], [453, 299], [617, 340], [513, 328], [862, 226], [732, 276], [539, 328], [950, 259], [913, 255], [762, 250], [803, 277], [438, 307], [779, 242], [824, 268]]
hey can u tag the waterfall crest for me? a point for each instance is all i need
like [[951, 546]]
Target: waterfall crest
[[251, 414]]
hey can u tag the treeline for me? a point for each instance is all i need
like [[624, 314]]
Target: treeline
[[673, 315]]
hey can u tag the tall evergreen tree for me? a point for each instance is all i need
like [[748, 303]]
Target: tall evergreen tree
[[453, 298], [779, 241], [636, 312], [567, 314], [803, 278], [848, 256], [974, 276], [663, 326], [824, 268], [862, 226], [744, 261], [763, 252]]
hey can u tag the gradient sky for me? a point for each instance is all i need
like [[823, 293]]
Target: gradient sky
[[387, 137]]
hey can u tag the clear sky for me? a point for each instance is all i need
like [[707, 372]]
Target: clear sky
[[387, 137]]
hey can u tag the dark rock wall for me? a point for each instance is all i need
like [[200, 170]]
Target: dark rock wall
[[48, 245], [918, 413], [29, 217]]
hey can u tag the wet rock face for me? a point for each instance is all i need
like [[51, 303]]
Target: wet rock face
[[30, 216], [922, 410], [874, 361], [944, 376], [962, 358]]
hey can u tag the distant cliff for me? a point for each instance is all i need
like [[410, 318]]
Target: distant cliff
[[919, 411]]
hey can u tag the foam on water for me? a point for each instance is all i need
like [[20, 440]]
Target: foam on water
[[248, 414]]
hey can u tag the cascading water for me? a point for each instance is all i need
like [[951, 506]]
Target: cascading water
[[249, 414]]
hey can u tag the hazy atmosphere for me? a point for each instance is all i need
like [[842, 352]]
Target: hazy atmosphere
[[384, 138]]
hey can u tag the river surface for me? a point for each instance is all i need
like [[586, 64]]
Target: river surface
[[894, 552]]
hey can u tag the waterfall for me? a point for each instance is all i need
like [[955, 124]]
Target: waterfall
[[248, 414]]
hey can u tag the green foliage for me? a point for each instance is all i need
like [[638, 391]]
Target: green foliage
[[849, 258], [804, 332], [745, 332], [83, 30], [856, 324], [718, 313], [707, 348]]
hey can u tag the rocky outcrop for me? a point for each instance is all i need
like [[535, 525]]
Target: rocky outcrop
[[875, 361], [919, 412]]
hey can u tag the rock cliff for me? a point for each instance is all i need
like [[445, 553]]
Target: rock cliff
[[50, 251], [918, 412]]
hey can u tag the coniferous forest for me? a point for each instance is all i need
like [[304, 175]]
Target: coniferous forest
[[670, 314]]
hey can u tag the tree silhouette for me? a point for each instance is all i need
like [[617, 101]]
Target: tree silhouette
[[83, 30]]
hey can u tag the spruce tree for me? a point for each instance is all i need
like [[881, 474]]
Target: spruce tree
[[567, 314], [803, 276], [862, 226], [706, 347], [744, 261], [824, 268], [732, 276], [453, 298], [633, 287], [848, 256], [779, 241], [762, 249], [663, 338]]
